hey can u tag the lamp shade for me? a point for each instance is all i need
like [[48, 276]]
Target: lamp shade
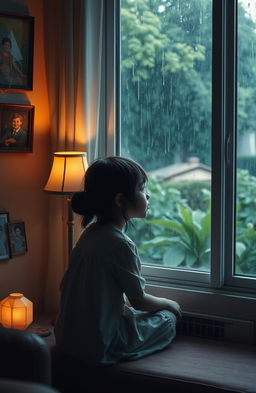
[[16, 311], [67, 172]]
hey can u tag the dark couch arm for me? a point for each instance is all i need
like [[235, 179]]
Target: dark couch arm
[[8, 386], [24, 356]]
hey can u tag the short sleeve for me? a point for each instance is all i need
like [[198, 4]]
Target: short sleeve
[[127, 270]]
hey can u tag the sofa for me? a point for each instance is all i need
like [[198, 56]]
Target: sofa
[[25, 363]]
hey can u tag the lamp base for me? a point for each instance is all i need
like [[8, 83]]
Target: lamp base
[[39, 330]]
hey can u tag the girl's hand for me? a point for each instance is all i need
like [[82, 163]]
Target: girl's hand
[[175, 308], [153, 303]]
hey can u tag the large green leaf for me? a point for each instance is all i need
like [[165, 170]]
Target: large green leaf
[[185, 215], [206, 229], [205, 259], [190, 258], [172, 225], [156, 242], [191, 227], [174, 255], [197, 217], [194, 236], [240, 248]]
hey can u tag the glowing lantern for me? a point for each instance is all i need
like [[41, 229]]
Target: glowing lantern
[[16, 311]]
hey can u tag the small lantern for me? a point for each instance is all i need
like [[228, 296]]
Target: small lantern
[[16, 311]]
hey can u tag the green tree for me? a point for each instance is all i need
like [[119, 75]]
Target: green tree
[[162, 96], [166, 79], [246, 72]]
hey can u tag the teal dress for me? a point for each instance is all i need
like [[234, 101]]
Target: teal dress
[[94, 324]]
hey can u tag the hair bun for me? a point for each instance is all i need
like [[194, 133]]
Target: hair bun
[[78, 202]]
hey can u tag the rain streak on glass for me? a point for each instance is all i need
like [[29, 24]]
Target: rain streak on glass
[[166, 49]]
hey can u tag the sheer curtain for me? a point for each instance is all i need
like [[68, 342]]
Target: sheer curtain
[[74, 52]]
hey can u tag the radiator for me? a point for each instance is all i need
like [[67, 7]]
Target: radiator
[[217, 328]]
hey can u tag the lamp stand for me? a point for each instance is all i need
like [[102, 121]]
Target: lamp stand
[[70, 223]]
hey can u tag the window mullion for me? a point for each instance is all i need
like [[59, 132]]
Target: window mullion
[[111, 76], [224, 140], [230, 77], [218, 138]]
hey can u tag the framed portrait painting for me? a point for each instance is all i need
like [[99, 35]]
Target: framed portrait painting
[[17, 235], [16, 128], [4, 239], [16, 51]]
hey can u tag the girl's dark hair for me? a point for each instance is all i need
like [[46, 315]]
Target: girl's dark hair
[[103, 180]]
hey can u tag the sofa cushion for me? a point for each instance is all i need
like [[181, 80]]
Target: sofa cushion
[[24, 356]]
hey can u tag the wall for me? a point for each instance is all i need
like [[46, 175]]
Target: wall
[[23, 175]]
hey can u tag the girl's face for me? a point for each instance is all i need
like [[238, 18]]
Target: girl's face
[[138, 208]]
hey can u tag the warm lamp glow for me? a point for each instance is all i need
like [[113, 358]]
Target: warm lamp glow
[[66, 177], [67, 172], [16, 311]]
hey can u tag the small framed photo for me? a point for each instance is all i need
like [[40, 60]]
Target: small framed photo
[[16, 51], [4, 240], [16, 128], [17, 236]]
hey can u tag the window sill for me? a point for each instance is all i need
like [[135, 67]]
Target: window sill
[[217, 302]]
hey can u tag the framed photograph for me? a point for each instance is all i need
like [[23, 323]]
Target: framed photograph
[[16, 51], [17, 236], [16, 128], [4, 240]]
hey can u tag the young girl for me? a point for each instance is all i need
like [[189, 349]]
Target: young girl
[[95, 324]]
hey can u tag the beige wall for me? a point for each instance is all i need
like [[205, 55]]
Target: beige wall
[[23, 175]]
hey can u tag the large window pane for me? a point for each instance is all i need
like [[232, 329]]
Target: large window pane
[[166, 124], [246, 147]]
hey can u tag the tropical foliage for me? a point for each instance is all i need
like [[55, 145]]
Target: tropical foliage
[[187, 241], [179, 236]]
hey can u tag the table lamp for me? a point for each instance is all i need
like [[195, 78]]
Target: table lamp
[[66, 177], [16, 311]]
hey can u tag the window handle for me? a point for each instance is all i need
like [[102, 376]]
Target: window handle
[[228, 151]]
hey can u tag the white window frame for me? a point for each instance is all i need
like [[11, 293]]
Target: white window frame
[[218, 293]]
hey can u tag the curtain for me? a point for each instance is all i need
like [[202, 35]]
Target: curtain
[[74, 53]]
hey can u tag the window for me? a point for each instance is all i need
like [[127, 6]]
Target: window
[[185, 95], [166, 94]]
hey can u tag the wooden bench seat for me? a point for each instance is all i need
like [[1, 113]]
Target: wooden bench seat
[[190, 364]]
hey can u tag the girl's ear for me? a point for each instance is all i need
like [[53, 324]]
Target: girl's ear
[[120, 200]]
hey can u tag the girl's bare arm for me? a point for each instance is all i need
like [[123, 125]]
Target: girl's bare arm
[[153, 303]]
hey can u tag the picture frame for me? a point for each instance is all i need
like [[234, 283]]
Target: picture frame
[[17, 236], [16, 51], [4, 238], [16, 128]]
